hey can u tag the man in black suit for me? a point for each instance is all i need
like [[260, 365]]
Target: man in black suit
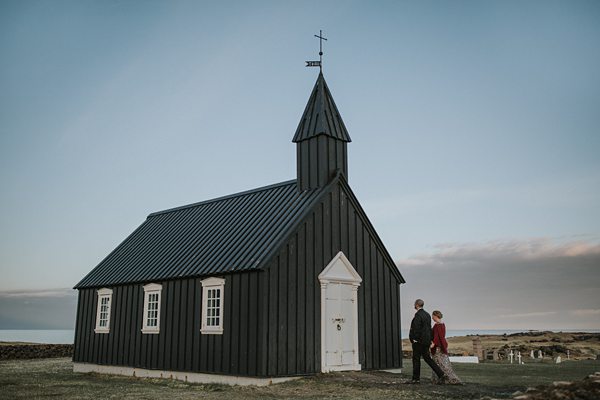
[[420, 337]]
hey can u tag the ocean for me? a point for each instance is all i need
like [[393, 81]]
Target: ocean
[[67, 336], [54, 336]]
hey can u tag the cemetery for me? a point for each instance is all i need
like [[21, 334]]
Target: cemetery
[[526, 347]]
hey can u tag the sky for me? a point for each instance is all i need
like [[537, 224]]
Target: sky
[[474, 124]]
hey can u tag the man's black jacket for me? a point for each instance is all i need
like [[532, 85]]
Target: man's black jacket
[[420, 328]]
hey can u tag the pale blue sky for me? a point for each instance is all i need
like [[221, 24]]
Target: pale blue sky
[[471, 121]]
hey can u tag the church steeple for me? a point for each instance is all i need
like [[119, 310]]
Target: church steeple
[[321, 140]]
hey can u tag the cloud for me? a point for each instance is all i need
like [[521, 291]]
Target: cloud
[[528, 315], [27, 294], [531, 249], [41, 309], [586, 312], [394, 206], [535, 283]]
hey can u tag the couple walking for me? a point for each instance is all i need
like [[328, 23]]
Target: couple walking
[[424, 339]]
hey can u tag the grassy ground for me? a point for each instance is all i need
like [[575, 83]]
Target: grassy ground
[[32, 379]]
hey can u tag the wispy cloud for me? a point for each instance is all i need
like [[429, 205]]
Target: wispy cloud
[[482, 253], [528, 315], [586, 312], [537, 283], [391, 207], [65, 292]]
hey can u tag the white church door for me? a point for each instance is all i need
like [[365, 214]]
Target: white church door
[[339, 315]]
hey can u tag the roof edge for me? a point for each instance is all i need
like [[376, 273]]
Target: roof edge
[[370, 227], [294, 140], [79, 284], [263, 259], [229, 196]]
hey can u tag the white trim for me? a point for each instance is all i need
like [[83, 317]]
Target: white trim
[[191, 377], [207, 284], [327, 274], [151, 288], [103, 293], [351, 277]]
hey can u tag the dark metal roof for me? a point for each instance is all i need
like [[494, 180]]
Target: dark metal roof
[[321, 116], [226, 234]]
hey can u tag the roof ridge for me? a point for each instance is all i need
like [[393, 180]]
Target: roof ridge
[[229, 196], [266, 256]]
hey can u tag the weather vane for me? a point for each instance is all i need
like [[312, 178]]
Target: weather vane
[[320, 62]]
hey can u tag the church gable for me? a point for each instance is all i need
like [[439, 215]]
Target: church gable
[[340, 224]]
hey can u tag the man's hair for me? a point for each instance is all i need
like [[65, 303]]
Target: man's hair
[[419, 303]]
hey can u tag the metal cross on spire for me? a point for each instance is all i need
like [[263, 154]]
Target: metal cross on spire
[[320, 62]]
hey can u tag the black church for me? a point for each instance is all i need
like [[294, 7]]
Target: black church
[[280, 281]]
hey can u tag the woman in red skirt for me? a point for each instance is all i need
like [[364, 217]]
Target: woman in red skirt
[[439, 351]]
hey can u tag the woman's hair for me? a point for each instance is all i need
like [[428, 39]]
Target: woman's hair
[[438, 314]]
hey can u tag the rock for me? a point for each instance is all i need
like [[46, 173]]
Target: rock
[[588, 388]]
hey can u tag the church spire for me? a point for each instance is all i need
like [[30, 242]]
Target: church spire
[[321, 116], [321, 140]]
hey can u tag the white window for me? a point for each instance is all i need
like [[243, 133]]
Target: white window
[[212, 306], [151, 322], [103, 311]]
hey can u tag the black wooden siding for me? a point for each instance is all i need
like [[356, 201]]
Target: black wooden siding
[[272, 317], [318, 160], [294, 303], [179, 346]]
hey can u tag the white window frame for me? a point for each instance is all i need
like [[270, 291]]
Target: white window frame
[[103, 293], [151, 288], [208, 284]]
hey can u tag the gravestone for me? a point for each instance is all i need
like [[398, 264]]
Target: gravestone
[[495, 355]]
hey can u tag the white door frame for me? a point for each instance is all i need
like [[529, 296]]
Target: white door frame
[[346, 275]]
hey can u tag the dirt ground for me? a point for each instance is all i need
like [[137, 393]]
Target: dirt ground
[[44, 378]]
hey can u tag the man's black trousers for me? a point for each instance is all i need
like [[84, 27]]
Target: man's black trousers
[[422, 350]]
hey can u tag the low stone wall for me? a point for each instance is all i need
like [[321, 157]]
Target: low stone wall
[[24, 351]]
